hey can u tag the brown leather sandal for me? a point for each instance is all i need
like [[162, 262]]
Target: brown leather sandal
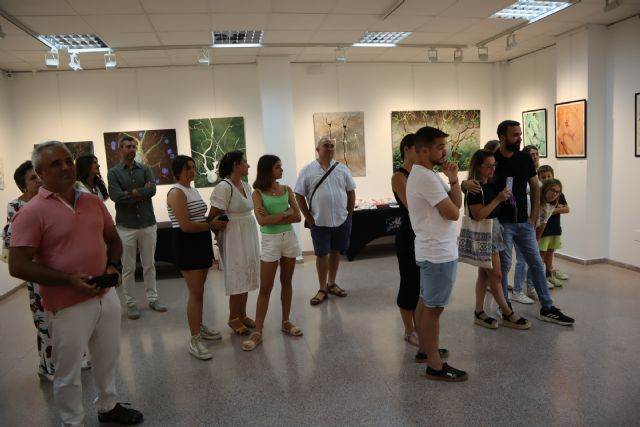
[[321, 296], [337, 291]]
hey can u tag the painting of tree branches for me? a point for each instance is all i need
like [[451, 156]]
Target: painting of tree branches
[[156, 148], [348, 131], [210, 140], [463, 127], [77, 149]]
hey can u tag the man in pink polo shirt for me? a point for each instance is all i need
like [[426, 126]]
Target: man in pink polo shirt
[[59, 241]]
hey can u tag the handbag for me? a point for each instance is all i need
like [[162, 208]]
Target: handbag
[[326, 174], [474, 243]]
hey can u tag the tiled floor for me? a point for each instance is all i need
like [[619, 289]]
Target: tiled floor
[[352, 366]]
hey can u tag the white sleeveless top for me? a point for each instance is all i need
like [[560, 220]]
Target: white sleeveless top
[[195, 205]]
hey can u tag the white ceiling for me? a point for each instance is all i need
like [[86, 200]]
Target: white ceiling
[[167, 24]]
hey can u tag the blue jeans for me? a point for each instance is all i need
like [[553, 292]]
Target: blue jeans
[[522, 274], [523, 235]]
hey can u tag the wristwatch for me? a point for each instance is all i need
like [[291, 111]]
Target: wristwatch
[[116, 265]]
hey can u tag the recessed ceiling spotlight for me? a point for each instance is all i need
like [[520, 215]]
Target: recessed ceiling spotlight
[[341, 55], [432, 55], [52, 59], [511, 41], [203, 57], [483, 53], [74, 62], [381, 39], [251, 38], [458, 56], [110, 61]]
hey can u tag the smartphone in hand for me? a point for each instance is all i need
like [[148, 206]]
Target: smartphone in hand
[[509, 185], [104, 281]]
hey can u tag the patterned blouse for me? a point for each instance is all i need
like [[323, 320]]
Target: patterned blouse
[[12, 208]]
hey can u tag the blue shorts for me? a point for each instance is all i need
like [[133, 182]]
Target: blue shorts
[[327, 239], [436, 282]]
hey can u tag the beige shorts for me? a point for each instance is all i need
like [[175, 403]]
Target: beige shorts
[[276, 246]]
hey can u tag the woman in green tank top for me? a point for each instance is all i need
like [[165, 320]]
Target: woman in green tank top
[[275, 209]]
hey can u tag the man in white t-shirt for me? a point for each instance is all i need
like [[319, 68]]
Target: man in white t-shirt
[[327, 207], [434, 208]]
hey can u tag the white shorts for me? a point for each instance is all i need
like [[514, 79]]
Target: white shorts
[[276, 246]]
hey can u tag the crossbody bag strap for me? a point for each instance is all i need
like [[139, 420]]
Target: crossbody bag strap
[[326, 174]]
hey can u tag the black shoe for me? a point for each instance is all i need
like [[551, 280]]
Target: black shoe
[[121, 415], [554, 315], [447, 373], [422, 357]]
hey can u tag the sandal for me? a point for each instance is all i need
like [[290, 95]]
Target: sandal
[[337, 291], [238, 330], [249, 322], [422, 357], [487, 322], [521, 323], [412, 338], [320, 297], [291, 329], [121, 415], [254, 340]]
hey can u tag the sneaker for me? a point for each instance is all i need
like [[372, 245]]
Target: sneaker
[[121, 415], [156, 306], [45, 375], [550, 285], [132, 312], [85, 363], [447, 373], [555, 281], [422, 357], [521, 298], [560, 275], [198, 349], [531, 293], [209, 334], [554, 315]]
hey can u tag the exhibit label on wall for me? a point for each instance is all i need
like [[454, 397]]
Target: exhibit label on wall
[[210, 140], [463, 127], [534, 130], [156, 148], [571, 129], [348, 131]]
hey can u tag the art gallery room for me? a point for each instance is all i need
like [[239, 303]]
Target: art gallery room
[[202, 78]]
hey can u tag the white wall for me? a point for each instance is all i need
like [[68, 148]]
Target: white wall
[[623, 82]]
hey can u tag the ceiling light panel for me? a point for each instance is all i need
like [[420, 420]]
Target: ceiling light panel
[[381, 38], [247, 38], [531, 10]]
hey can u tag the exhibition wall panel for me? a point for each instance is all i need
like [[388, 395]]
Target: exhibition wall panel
[[9, 192]]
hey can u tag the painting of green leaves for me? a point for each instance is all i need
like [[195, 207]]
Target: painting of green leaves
[[347, 129], [210, 140], [534, 130], [463, 127]]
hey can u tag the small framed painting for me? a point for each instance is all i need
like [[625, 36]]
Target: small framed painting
[[534, 130], [571, 129]]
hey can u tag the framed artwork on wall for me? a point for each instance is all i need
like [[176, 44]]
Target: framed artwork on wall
[[534, 130], [348, 131], [637, 124], [571, 129], [463, 127], [79, 148]]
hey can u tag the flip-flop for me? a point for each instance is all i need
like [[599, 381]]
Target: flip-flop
[[337, 291], [319, 300], [240, 330], [292, 330], [252, 343]]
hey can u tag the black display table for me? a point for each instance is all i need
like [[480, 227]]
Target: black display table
[[371, 224]]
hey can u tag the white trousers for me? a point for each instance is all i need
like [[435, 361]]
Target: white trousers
[[145, 239], [93, 325]]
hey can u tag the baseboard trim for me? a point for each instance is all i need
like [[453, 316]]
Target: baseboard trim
[[12, 291], [624, 265], [598, 261]]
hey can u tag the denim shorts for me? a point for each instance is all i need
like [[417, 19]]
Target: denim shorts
[[327, 239], [436, 282]]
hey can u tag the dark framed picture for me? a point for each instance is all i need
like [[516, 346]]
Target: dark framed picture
[[534, 130], [571, 129], [637, 116]]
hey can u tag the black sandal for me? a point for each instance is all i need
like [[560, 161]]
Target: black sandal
[[487, 322], [121, 415], [422, 357], [522, 323]]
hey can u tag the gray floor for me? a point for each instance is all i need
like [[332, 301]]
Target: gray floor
[[352, 366]]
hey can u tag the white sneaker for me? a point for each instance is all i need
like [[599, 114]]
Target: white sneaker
[[560, 275], [209, 334], [549, 284], [198, 350], [521, 298], [531, 293], [554, 281], [85, 363]]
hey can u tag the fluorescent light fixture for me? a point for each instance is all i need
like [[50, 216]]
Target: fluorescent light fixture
[[74, 62], [432, 55], [110, 61], [458, 56], [75, 42], [511, 41], [483, 53], [381, 39], [52, 59], [341, 55], [531, 10], [251, 38]]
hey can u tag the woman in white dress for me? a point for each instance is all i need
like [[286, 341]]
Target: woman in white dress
[[239, 246]]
